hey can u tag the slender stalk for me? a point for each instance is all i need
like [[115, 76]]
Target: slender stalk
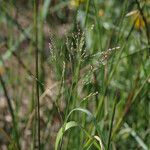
[[36, 5], [87, 10], [111, 123], [11, 112], [41, 47], [98, 25]]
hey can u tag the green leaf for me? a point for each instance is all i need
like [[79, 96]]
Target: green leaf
[[91, 116], [45, 8], [68, 125]]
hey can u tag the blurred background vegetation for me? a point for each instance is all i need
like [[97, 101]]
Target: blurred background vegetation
[[74, 74]]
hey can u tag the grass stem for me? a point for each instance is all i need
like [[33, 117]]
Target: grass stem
[[36, 5], [11, 112]]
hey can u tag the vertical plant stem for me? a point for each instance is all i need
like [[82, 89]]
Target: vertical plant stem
[[98, 25], [111, 123], [41, 47], [87, 10], [11, 112], [36, 5]]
